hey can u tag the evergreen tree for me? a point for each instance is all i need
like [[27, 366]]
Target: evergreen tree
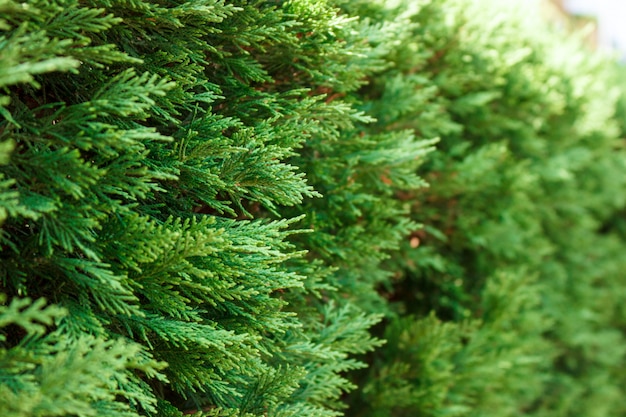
[[515, 253], [207, 207], [138, 140]]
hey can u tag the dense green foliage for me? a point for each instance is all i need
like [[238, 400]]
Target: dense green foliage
[[518, 242], [307, 208]]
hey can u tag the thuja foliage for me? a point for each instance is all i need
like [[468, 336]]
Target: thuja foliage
[[521, 253], [207, 206], [146, 152]]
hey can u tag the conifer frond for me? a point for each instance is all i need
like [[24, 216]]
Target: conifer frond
[[31, 316], [129, 93]]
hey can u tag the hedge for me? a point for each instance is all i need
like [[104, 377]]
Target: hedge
[[307, 208]]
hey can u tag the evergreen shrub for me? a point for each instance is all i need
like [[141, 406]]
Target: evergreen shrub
[[306, 208]]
